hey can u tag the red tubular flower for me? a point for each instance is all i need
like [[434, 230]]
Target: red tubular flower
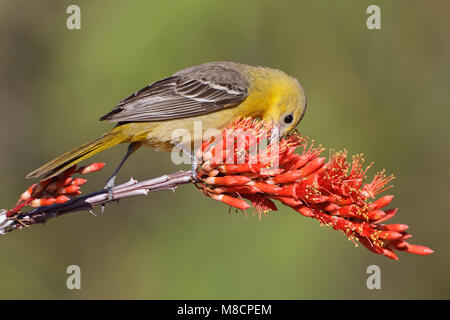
[[58, 189], [334, 192]]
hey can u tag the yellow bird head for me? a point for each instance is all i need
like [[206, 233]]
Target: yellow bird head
[[287, 101]]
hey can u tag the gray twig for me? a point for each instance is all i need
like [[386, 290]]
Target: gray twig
[[89, 201]]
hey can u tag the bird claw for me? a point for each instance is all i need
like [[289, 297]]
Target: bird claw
[[193, 158], [194, 161], [109, 187]]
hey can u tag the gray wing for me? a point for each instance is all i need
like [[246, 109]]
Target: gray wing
[[191, 92]]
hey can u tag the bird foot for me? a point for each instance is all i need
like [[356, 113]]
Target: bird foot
[[109, 187]]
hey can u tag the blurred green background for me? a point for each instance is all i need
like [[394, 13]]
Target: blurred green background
[[384, 93]]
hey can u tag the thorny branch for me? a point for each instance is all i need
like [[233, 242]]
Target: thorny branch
[[334, 191], [89, 201]]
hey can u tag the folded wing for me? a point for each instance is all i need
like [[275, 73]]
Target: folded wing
[[181, 96]]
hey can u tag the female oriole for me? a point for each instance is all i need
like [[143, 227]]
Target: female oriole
[[214, 93]]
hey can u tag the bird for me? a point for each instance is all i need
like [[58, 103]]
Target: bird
[[214, 93]]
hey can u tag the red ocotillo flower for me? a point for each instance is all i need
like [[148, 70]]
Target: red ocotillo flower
[[333, 191], [58, 189]]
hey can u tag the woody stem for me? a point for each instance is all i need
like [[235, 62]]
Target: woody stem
[[89, 201]]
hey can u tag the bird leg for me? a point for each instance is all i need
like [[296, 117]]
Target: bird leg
[[194, 160], [110, 183]]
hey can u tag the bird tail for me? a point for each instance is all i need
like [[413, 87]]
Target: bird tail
[[87, 150]]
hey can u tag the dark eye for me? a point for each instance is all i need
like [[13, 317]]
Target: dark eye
[[288, 119]]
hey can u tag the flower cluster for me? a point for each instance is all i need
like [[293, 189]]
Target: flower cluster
[[240, 168], [58, 189], [335, 192]]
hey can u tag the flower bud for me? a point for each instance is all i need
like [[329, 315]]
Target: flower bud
[[228, 180], [42, 202], [91, 168], [417, 249], [69, 189], [231, 201], [27, 194]]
